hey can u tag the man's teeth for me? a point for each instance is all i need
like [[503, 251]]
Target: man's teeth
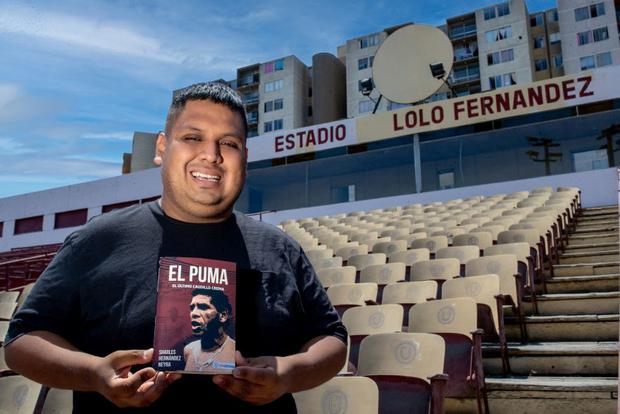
[[202, 176]]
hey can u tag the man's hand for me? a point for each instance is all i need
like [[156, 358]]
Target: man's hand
[[257, 380], [117, 383]]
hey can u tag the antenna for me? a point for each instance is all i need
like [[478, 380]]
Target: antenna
[[413, 63]]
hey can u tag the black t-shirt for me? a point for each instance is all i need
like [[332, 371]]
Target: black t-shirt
[[99, 293]]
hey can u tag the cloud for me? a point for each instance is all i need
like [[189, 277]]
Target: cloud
[[111, 136], [104, 36], [13, 146], [18, 107]]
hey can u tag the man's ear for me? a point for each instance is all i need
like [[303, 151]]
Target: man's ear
[[223, 316], [160, 148]]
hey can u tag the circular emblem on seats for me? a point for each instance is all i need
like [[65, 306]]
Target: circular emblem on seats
[[473, 289], [355, 295], [384, 274], [494, 267], [430, 245], [445, 315], [473, 241], [334, 402], [406, 352], [19, 395], [376, 320], [437, 270]]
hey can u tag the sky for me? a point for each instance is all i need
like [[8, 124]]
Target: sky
[[77, 78]]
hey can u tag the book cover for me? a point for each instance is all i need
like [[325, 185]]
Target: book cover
[[194, 323]]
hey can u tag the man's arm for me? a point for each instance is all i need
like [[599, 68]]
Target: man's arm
[[264, 379], [50, 359]]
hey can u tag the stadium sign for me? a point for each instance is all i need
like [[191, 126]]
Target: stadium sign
[[584, 87], [302, 140]]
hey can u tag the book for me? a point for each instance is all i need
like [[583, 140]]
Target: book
[[194, 321]]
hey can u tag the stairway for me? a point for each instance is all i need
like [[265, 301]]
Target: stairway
[[570, 364]]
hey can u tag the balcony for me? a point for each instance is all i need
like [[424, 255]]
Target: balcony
[[462, 31], [250, 99], [248, 80], [462, 79]]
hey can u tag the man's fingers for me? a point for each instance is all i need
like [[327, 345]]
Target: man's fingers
[[240, 360], [153, 392], [171, 377], [135, 381], [122, 359], [235, 387], [262, 376]]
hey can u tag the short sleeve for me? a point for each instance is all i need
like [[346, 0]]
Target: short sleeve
[[52, 305], [321, 317]]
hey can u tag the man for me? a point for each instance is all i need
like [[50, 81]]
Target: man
[[88, 323], [214, 349]]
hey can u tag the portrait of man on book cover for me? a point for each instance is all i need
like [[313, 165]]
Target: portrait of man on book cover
[[213, 348]]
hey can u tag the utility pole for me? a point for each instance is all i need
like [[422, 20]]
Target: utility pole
[[608, 135], [548, 156]]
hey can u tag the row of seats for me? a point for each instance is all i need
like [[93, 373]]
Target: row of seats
[[443, 269]]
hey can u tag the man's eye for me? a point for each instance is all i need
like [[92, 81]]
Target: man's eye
[[191, 138], [202, 306], [229, 143]]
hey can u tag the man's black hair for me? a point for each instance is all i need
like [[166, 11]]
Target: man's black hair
[[218, 299], [210, 91]]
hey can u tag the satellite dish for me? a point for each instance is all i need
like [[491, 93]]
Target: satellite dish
[[402, 67]]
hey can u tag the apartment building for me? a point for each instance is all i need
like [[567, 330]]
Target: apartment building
[[504, 42], [545, 40], [589, 34], [463, 33]]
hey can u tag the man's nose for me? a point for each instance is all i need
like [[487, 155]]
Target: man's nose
[[211, 153]]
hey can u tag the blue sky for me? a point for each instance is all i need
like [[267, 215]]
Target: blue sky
[[77, 78]]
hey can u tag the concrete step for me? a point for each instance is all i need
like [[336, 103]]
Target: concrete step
[[598, 221], [593, 247], [597, 211], [601, 231], [548, 395], [582, 284], [587, 269], [581, 239], [565, 328], [555, 358], [599, 303], [602, 255]]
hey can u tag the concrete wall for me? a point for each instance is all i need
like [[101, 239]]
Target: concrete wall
[[328, 88], [143, 151]]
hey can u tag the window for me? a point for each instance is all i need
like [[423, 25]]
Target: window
[[278, 104], [278, 124], [589, 12], [583, 38], [540, 64], [587, 62], [252, 132], [274, 66], [600, 34], [268, 126], [499, 81], [603, 59], [466, 50], [28, 225], [446, 179], [1, 228], [310, 92], [368, 41], [365, 63], [552, 15], [539, 42], [554, 38], [557, 61], [537, 20], [117, 206], [590, 160], [274, 85], [310, 111], [503, 9], [70, 218], [364, 107], [506, 55], [268, 106], [489, 13], [498, 34], [252, 116]]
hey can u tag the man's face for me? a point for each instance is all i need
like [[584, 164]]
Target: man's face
[[202, 313], [203, 162]]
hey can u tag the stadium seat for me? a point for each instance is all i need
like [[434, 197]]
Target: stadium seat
[[361, 261], [438, 270], [455, 320], [408, 294], [409, 257], [336, 275], [362, 321], [58, 402], [482, 239], [347, 251], [7, 309], [390, 247], [462, 253], [329, 262], [18, 395], [408, 370], [341, 395], [511, 283], [485, 290], [4, 328], [10, 297], [347, 295], [531, 237], [383, 274], [431, 243]]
